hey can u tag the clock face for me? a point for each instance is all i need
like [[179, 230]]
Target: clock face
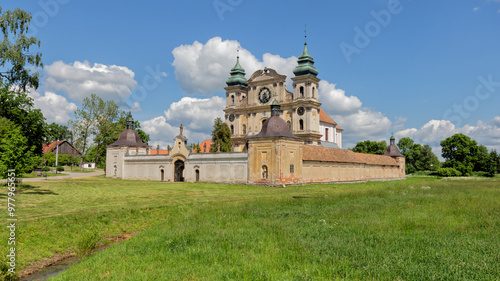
[[300, 111], [264, 94], [231, 118]]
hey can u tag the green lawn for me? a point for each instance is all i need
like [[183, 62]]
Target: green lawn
[[417, 229]]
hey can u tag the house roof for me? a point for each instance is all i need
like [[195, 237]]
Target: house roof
[[327, 154], [323, 117], [208, 144], [46, 148], [162, 152]]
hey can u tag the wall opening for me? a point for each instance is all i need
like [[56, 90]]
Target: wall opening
[[326, 134], [179, 170], [232, 99], [301, 125], [232, 130], [197, 172], [301, 91], [162, 175], [264, 172], [289, 125]]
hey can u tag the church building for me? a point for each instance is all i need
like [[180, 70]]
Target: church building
[[278, 137]]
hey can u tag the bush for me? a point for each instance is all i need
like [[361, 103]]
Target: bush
[[60, 169], [45, 169], [448, 172]]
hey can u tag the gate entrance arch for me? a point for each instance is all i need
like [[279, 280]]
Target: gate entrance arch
[[179, 170]]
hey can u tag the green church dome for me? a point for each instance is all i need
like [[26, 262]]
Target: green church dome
[[237, 75], [306, 64]]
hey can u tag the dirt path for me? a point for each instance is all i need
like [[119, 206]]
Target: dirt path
[[65, 176]]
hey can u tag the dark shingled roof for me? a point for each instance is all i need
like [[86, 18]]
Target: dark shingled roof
[[327, 154], [392, 149], [274, 127], [129, 137]]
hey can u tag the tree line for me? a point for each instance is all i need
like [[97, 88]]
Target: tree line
[[463, 156]]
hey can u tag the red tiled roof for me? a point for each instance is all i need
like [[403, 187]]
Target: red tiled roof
[[327, 154], [208, 144], [323, 117], [338, 128], [48, 148], [162, 152]]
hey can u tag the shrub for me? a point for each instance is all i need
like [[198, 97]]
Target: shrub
[[60, 169], [45, 169], [448, 172]]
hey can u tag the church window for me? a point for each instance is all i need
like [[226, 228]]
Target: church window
[[301, 124], [289, 125], [232, 130], [232, 99], [264, 172], [313, 92], [301, 91], [326, 134], [244, 129], [292, 169]]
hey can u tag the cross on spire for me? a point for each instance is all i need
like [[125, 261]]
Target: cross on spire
[[305, 33]]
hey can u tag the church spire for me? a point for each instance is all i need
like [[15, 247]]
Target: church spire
[[305, 64], [237, 75]]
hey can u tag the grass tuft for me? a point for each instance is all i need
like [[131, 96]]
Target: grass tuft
[[89, 241]]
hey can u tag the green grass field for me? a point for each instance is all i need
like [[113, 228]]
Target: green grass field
[[416, 229]]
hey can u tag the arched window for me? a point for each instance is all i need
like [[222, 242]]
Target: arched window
[[244, 129], [264, 172], [313, 92], [301, 124], [301, 91], [326, 134], [232, 99], [232, 130], [263, 122], [289, 125]]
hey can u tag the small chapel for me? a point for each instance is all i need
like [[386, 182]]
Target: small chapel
[[278, 137]]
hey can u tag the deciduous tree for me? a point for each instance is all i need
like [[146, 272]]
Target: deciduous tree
[[55, 132], [459, 152], [14, 153], [371, 147], [221, 136], [17, 58]]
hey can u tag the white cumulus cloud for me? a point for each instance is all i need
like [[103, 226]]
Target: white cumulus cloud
[[196, 116], [434, 131], [80, 79], [204, 68], [334, 99], [364, 124], [55, 108]]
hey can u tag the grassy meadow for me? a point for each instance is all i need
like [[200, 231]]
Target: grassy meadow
[[421, 228]]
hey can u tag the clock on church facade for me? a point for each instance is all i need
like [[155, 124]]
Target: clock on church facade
[[247, 101]]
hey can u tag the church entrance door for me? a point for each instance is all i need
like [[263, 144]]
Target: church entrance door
[[179, 170]]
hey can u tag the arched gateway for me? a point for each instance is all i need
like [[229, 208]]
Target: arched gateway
[[179, 170]]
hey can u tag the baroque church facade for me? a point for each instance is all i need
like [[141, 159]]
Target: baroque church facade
[[248, 104], [278, 137]]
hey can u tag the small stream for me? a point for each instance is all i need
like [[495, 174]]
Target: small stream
[[52, 270]]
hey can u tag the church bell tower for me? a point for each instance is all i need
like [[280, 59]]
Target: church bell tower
[[305, 95]]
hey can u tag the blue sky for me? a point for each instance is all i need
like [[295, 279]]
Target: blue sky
[[424, 69]]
